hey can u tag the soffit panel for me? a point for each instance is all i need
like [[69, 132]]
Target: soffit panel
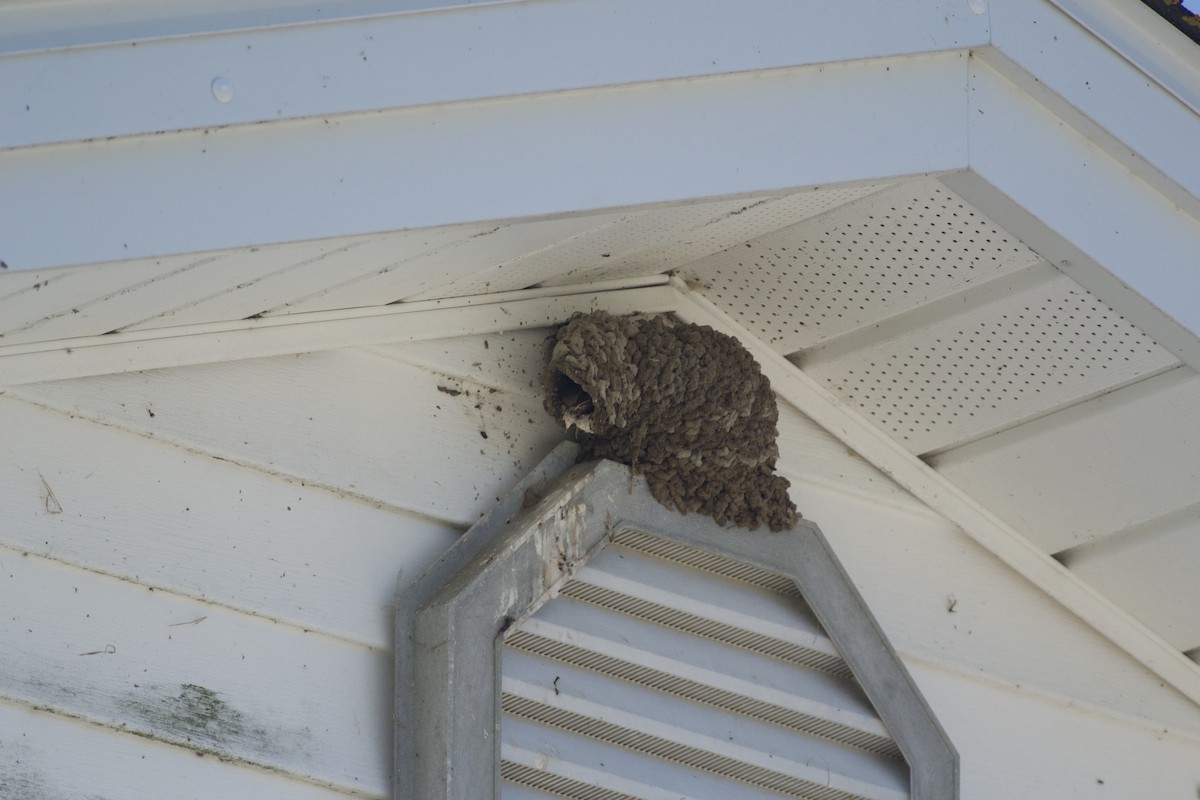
[[368, 271], [1150, 571], [1093, 470], [871, 259], [970, 372]]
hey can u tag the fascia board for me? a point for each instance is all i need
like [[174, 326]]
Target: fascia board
[[1133, 90], [1140, 36], [553, 153], [403, 60], [1083, 210]]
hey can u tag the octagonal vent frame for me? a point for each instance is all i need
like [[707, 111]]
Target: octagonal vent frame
[[453, 621]]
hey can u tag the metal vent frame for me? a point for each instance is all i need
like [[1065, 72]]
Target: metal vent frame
[[450, 622]]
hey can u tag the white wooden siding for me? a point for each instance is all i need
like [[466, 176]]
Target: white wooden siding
[[378, 486], [941, 598], [1015, 743], [46, 756], [171, 668], [192, 524], [306, 418]]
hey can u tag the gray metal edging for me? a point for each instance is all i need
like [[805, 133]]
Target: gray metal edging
[[411, 596]]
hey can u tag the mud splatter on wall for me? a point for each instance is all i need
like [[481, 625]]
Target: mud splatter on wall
[[682, 404]]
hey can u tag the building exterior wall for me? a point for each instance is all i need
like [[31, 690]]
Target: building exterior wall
[[201, 562]]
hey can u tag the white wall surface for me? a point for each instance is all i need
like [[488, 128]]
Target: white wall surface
[[215, 569]]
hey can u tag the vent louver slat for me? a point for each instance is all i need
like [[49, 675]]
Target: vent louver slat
[[708, 628], [698, 559], [700, 691], [693, 757], [557, 784], [666, 593]]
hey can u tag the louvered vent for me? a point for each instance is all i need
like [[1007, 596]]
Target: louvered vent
[[663, 671]]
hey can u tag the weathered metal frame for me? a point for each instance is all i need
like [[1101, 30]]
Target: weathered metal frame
[[450, 622]]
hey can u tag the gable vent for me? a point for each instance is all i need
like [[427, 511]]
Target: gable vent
[[664, 671], [582, 641]]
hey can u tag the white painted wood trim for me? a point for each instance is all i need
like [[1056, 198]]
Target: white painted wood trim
[[321, 330], [1112, 101], [976, 521], [401, 60], [432, 165], [1081, 208], [1135, 32]]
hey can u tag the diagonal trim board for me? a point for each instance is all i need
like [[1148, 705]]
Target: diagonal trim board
[[206, 343], [941, 495], [542, 307]]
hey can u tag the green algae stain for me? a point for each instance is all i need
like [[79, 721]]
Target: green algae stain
[[204, 714], [198, 715]]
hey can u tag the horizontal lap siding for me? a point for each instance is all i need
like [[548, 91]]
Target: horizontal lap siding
[[1013, 743], [362, 425], [198, 676], [46, 756], [166, 518], [940, 597], [1114, 462], [207, 557], [221, 608], [271, 505]]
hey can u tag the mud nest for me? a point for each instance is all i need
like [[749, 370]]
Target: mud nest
[[682, 404]]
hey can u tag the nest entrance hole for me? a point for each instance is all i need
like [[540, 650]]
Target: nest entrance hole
[[572, 398]]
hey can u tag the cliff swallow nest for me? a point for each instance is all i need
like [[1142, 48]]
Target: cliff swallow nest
[[681, 404]]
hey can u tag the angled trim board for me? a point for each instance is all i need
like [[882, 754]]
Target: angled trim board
[[451, 621]]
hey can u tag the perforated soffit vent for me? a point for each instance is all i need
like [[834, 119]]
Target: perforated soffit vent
[[625, 651], [862, 262], [927, 317]]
